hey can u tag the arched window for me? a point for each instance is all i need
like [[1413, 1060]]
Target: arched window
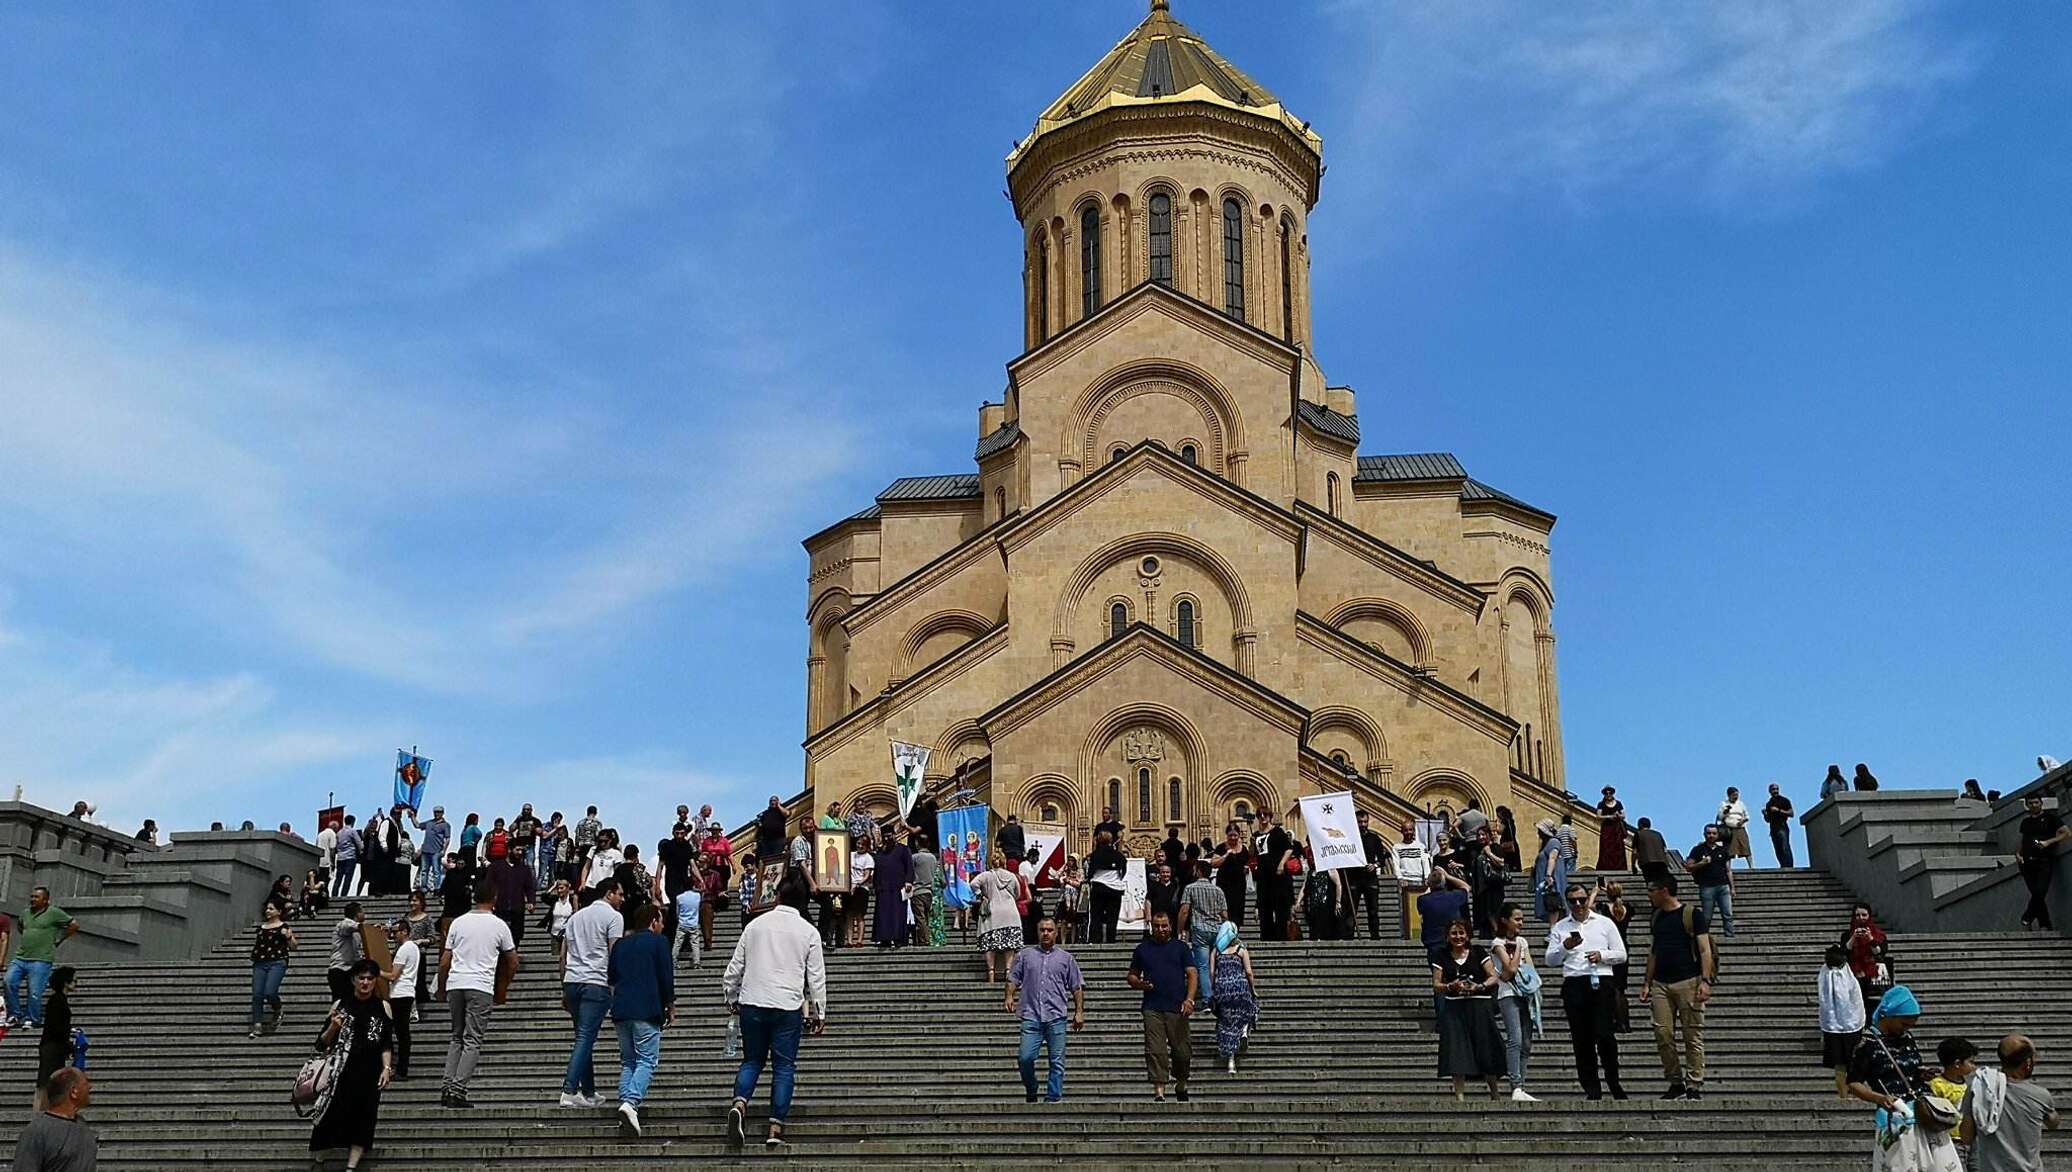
[[1000, 501], [1115, 793], [1233, 259], [1043, 286], [1187, 454], [1089, 260], [1287, 282], [1173, 799], [1049, 812], [1143, 795], [1183, 623], [1331, 493], [1240, 810], [1162, 238], [1118, 619], [1116, 453], [1339, 756]]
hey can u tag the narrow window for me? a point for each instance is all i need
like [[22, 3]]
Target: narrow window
[[1173, 799], [1000, 502], [1043, 287], [1162, 238], [1116, 454], [1050, 812], [1331, 493], [1287, 283], [1143, 795], [1241, 811], [1118, 619], [1187, 455], [1115, 793], [1184, 621], [1233, 259], [1090, 261]]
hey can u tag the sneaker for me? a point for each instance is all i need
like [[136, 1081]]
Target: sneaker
[[775, 1143], [1230, 1067], [629, 1120], [252, 1033], [1676, 1091], [415, 1016], [1180, 1092], [1029, 1097], [569, 1099], [737, 1125], [1518, 1095], [1693, 1094]]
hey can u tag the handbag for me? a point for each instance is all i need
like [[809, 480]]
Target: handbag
[[1931, 1112], [319, 1076]]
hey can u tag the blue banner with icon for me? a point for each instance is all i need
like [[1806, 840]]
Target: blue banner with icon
[[412, 772]]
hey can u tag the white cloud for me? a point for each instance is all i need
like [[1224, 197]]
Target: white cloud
[[1725, 102]]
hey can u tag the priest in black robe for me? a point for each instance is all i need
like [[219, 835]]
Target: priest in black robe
[[891, 883]]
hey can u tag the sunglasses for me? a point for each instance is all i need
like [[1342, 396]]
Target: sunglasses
[[1579, 899]]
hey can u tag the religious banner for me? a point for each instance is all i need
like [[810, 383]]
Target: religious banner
[[963, 833], [1136, 889], [1047, 839], [412, 774], [330, 816], [831, 860], [909, 764], [1334, 835]]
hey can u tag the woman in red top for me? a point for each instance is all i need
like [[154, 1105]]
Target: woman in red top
[[1864, 940]]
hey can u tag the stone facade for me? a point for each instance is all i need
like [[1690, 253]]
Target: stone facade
[[1172, 585]]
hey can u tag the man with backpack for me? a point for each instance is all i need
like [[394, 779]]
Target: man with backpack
[[1681, 966]]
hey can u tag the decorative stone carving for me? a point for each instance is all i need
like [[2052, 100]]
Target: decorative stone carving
[[1143, 746]]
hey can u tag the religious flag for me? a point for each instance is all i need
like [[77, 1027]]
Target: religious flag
[[1334, 836], [963, 833], [1047, 839], [412, 773], [909, 763]]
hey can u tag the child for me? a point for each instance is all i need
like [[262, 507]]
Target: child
[[1841, 1016], [1959, 1060]]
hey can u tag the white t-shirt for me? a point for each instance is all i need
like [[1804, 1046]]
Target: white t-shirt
[[476, 942], [590, 936], [407, 959], [1413, 862], [563, 909], [327, 842], [860, 869], [602, 864]]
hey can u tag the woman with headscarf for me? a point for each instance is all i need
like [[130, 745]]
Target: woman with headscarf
[[360, 1027], [1865, 781], [1834, 783], [1887, 1072], [1611, 832], [54, 1046], [1233, 995], [1549, 874], [1864, 940]]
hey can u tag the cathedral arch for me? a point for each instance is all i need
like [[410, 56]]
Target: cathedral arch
[[1446, 789], [1241, 787], [1135, 546], [937, 636], [1089, 214], [1186, 622], [961, 742], [1216, 417], [877, 799], [1183, 750], [1337, 726], [1379, 622], [827, 682], [1048, 789]]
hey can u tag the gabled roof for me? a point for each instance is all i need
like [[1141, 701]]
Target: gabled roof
[[1416, 466], [1475, 490], [956, 486], [998, 440], [871, 513], [1331, 423]]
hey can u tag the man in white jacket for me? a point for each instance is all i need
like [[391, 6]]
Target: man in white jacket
[[1586, 946]]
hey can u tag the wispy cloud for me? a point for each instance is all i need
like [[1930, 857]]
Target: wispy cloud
[[1742, 103]]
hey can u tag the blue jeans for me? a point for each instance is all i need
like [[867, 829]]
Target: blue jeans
[[1780, 841], [1517, 1038], [1043, 1034], [266, 987], [1718, 905], [343, 885], [587, 1004], [1201, 973], [35, 974], [769, 1035], [640, 1051], [431, 871]]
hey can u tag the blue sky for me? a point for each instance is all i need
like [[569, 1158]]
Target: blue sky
[[380, 375]]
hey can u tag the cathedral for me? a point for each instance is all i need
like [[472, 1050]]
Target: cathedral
[[1173, 586]]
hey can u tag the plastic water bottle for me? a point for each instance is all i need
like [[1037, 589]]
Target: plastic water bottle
[[733, 1035]]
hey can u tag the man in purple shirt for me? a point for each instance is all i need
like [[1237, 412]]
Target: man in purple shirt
[[1037, 985]]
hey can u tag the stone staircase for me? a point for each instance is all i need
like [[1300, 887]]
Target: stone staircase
[[918, 1064]]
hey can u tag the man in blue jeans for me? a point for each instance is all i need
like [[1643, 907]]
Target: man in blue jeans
[[586, 988], [42, 930], [1711, 864], [777, 982], [1037, 984]]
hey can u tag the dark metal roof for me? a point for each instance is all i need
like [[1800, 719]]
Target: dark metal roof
[[1000, 439], [1475, 490], [932, 488], [1159, 58], [1331, 423], [1416, 466]]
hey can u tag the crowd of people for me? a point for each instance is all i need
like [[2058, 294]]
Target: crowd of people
[[622, 927]]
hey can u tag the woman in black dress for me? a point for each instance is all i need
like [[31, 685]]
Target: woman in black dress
[[54, 1047], [361, 1023], [1464, 976], [1233, 861]]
